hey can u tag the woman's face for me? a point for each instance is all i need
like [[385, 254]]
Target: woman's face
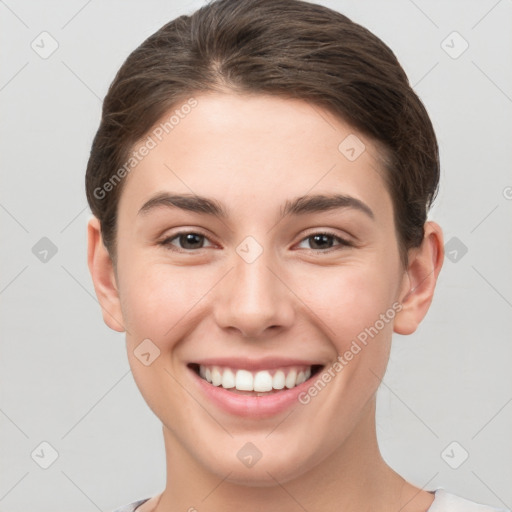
[[276, 286]]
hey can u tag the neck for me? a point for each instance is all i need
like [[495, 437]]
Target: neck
[[353, 478]]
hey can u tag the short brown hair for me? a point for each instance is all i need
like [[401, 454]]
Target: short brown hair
[[289, 48]]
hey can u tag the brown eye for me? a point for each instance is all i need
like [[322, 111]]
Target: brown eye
[[324, 241], [186, 241], [321, 241]]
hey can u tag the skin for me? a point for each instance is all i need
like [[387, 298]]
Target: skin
[[252, 153]]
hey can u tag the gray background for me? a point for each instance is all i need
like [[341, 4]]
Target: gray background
[[65, 376]]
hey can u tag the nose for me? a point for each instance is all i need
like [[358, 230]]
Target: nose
[[253, 299]]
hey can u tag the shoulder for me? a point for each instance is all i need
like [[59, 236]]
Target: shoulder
[[131, 507], [447, 502]]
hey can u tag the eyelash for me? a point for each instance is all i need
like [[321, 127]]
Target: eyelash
[[342, 242]]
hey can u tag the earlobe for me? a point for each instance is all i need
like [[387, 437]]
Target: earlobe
[[103, 276], [420, 280]]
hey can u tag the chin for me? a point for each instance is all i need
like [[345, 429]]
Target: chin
[[273, 468]]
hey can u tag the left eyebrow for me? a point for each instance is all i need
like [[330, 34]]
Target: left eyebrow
[[298, 206], [320, 203]]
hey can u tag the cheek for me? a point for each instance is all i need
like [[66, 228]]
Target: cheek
[[157, 298], [349, 300], [158, 302]]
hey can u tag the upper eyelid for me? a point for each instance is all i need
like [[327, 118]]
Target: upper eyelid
[[342, 240], [167, 239], [327, 232]]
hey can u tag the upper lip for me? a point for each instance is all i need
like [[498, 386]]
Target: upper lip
[[252, 364]]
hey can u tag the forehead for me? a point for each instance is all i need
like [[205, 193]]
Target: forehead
[[252, 150]]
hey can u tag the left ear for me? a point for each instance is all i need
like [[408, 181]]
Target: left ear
[[420, 279]]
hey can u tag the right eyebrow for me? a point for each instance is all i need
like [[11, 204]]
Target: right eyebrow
[[192, 203]]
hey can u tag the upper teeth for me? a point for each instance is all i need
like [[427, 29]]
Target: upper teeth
[[260, 381]]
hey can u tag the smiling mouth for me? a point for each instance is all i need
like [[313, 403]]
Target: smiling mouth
[[262, 382]]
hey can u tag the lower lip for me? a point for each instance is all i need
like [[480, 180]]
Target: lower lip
[[250, 406]]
